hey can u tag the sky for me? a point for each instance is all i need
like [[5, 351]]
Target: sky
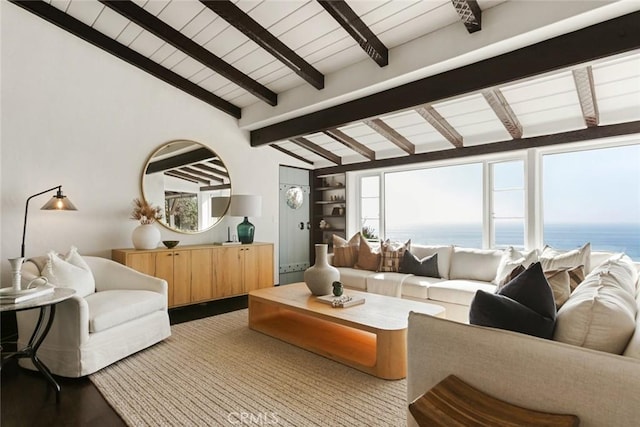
[[591, 186]]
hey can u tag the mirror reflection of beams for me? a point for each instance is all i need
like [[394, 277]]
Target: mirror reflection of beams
[[191, 182]]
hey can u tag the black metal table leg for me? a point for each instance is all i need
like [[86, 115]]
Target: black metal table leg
[[31, 350]]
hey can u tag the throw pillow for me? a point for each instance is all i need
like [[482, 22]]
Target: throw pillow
[[552, 259], [601, 313], [70, 271], [563, 281], [427, 266], [512, 258], [391, 255], [368, 257], [523, 305], [345, 252], [512, 275]]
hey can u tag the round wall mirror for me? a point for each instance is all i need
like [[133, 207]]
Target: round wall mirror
[[190, 182]]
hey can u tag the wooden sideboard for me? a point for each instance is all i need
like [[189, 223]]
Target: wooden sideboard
[[204, 272]]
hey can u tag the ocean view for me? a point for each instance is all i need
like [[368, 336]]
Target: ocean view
[[603, 237]]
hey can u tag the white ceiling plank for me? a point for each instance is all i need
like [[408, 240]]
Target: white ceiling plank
[[201, 75], [163, 53], [201, 21], [129, 34], [180, 13], [212, 30], [154, 7], [226, 42], [174, 59], [63, 5], [299, 16], [313, 28], [146, 43], [85, 11], [266, 14], [110, 23]]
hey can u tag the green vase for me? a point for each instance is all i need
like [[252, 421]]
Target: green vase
[[246, 231]]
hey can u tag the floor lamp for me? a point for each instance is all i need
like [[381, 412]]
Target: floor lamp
[[245, 205], [59, 202]]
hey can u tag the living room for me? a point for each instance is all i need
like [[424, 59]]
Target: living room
[[76, 116]]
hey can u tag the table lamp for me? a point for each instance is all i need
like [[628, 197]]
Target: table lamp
[[59, 202], [245, 205]]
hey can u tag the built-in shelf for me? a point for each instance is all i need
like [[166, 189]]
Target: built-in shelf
[[325, 207]]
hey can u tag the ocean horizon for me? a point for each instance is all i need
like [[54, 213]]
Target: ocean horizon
[[602, 236]]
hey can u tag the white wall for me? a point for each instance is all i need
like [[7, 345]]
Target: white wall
[[74, 115]]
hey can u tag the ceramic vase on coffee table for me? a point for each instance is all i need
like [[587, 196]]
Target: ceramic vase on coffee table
[[319, 277]]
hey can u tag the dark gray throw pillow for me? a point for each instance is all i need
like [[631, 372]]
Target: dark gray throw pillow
[[525, 305], [420, 267]]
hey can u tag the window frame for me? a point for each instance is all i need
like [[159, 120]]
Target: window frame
[[532, 159]]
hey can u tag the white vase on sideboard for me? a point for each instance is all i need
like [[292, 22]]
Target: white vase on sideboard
[[145, 236]]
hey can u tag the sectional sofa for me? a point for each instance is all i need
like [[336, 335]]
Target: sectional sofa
[[591, 367], [463, 271]]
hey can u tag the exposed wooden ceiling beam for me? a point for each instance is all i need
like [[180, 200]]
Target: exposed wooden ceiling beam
[[289, 153], [166, 32], [216, 187], [222, 173], [314, 148], [503, 110], [583, 78], [469, 13], [498, 147], [351, 143], [352, 24], [440, 124], [96, 38], [200, 173], [256, 32], [179, 160], [181, 175], [392, 135], [611, 37]]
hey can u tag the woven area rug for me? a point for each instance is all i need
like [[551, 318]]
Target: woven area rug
[[216, 371]]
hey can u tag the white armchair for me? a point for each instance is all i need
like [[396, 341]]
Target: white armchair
[[126, 313]]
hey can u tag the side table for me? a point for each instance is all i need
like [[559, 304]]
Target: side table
[[47, 305]]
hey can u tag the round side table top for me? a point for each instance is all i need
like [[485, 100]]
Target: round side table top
[[58, 295]]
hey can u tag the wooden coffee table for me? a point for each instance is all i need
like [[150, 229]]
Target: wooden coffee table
[[371, 337]]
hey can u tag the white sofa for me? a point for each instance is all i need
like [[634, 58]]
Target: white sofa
[[126, 313], [463, 271]]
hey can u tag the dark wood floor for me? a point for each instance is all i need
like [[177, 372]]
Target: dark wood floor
[[26, 399]]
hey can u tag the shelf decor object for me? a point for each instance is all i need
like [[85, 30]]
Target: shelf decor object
[[146, 235], [59, 202], [320, 276], [245, 205]]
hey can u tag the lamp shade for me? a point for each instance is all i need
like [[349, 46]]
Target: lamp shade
[[219, 206], [59, 202], [245, 205]]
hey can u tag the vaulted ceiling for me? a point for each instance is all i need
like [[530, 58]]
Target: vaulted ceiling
[[287, 60]]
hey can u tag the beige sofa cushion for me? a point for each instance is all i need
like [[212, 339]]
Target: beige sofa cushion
[[353, 278], [633, 347], [444, 256], [418, 286], [510, 260], [601, 312], [474, 264], [458, 291]]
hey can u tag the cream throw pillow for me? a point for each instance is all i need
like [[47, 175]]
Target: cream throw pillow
[[552, 259], [70, 271], [512, 258], [601, 312]]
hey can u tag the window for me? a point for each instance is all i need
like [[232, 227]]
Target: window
[[435, 206], [525, 199], [507, 201], [593, 196], [370, 206]]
